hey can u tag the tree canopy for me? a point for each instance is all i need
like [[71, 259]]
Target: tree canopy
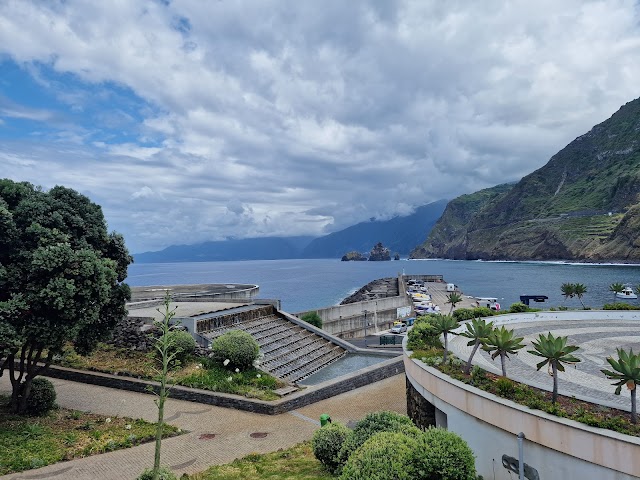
[[61, 278]]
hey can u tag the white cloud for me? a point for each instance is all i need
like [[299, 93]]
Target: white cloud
[[292, 117]]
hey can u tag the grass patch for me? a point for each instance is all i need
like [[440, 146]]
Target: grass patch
[[33, 442], [296, 463], [199, 373]]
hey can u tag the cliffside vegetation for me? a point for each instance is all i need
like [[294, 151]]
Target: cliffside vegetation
[[582, 205]]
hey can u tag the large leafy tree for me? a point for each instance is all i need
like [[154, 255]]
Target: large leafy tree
[[556, 353], [501, 342], [61, 279], [626, 371], [477, 330]]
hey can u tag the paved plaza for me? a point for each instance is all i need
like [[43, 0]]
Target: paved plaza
[[216, 435], [597, 340]]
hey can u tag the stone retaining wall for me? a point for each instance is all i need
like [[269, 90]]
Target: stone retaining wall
[[299, 399]]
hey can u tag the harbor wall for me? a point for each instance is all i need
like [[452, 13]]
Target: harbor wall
[[348, 321]]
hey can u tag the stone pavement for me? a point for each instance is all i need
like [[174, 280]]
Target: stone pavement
[[598, 339], [216, 435]]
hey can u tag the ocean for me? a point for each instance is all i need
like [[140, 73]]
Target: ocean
[[307, 284]]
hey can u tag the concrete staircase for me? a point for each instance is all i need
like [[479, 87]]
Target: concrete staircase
[[290, 352]]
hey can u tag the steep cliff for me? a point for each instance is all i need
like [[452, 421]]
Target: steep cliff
[[582, 205]]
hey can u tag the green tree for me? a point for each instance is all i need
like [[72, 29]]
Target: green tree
[[626, 371], [500, 342], [579, 290], [568, 290], [477, 330], [616, 288], [454, 299], [556, 353], [444, 324], [61, 279]]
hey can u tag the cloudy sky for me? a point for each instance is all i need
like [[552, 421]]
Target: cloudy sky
[[193, 120]]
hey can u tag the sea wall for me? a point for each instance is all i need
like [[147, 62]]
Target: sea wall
[[348, 321]]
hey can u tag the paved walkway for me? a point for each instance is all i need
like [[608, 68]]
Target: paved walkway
[[598, 339], [236, 433]]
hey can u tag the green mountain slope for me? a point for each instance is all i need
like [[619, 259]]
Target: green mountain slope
[[582, 205]]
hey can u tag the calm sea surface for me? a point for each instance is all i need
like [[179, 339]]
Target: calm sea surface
[[308, 284]]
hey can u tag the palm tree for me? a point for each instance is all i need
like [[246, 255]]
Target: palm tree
[[568, 290], [444, 324], [555, 352], [616, 288], [627, 372], [453, 298], [579, 289], [500, 341], [637, 289], [477, 330]]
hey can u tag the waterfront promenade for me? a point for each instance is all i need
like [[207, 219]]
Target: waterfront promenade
[[216, 435]]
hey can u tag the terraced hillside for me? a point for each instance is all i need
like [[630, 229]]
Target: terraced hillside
[[583, 204]]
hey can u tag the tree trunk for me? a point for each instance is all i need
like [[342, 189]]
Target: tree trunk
[[467, 368], [554, 372], [503, 361], [446, 347], [634, 415]]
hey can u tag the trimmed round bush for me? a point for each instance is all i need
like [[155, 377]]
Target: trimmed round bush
[[164, 473], [183, 344], [445, 456], [327, 442], [239, 347], [42, 397], [373, 423], [384, 456]]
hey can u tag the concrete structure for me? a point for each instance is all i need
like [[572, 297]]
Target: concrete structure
[[348, 321], [554, 447]]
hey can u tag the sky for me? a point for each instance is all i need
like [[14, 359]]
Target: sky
[[193, 120]]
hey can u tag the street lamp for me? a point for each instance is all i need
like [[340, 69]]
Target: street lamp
[[365, 328]]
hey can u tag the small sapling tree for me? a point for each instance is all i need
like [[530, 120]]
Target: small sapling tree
[[501, 342]]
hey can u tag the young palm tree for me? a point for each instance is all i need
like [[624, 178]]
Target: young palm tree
[[627, 372], [453, 298], [616, 288], [568, 290], [555, 352], [579, 289], [477, 330], [444, 324], [500, 342]]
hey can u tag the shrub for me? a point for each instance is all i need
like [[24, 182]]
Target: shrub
[[384, 456], [183, 344], [42, 397], [620, 306], [518, 307], [479, 312], [163, 474], [313, 318], [327, 442], [239, 347], [423, 334], [505, 387], [445, 456], [371, 424], [463, 314]]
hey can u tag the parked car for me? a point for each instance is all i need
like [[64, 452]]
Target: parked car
[[399, 328]]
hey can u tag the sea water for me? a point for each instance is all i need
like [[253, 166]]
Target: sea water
[[307, 284]]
